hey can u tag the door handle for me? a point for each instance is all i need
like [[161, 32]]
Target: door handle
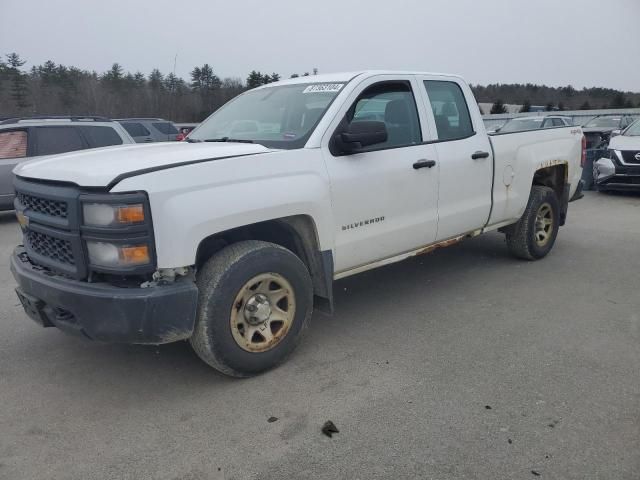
[[477, 155], [424, 164]]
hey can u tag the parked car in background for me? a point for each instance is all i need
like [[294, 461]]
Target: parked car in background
[[520, 124], [185, 129], [598, 132], [620, 168], [25, 138], [144, 130]]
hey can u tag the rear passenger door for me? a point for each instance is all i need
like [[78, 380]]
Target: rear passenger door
[[167, 131], [99, 136], [137, 131], [464, 156], [53, 140]]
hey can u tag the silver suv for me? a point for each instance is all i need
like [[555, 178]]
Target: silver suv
[[24, 138], [150, 129]]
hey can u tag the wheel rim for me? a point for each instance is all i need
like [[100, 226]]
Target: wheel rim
[[262, 312], [543, 225]]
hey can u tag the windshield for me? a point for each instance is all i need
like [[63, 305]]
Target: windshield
[[633, 130], [276, 117], [606, 122], [517, 125]]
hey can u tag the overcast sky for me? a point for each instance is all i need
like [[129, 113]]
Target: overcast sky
[[556, 42]]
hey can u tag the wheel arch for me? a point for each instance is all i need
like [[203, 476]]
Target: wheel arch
[[297, 233], [556, 177]]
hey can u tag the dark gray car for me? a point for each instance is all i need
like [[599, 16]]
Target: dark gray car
[[25, 138], [145, 130]]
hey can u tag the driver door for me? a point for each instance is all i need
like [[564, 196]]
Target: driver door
[[385, 197]]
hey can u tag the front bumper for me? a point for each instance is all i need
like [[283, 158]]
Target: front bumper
[[103, 312], [610, 176]]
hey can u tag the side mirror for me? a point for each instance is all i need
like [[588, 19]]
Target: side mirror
[[615, 133], [360, 134]]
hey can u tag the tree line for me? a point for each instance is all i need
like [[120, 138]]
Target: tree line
[[51, 88], [553, 98]]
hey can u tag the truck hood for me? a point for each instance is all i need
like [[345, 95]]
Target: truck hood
[[101, 166]]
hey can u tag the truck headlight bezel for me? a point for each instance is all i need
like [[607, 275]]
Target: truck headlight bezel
[[117, 233]]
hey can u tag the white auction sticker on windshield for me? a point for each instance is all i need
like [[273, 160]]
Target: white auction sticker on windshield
[[323, 87]]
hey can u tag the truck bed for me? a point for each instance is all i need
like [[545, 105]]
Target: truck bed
[[517, 155]]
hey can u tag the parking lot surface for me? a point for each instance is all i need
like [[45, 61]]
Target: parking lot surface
[[463, 363]]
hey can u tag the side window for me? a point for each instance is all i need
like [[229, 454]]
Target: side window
[[557, 122], [13, 144], [165, 128], [101, 136], [135, 129], [392, 103], [51, 140], [450, 110]]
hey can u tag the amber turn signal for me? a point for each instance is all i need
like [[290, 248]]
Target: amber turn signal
[[130, 214], [137, 255]]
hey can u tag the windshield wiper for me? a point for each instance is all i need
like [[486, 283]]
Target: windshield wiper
[[227, 139]]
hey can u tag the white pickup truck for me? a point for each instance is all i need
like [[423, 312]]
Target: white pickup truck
[[231, 238]]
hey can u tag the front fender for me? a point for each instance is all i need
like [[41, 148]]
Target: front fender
[[193, 202]]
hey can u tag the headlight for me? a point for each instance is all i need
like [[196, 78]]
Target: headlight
[[109, 215], [111, 255], [614, 154]]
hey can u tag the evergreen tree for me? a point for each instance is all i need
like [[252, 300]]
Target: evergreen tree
[[526, 106], [498, 107], [254, 79], [585, 106], [618, 101], [19, 88]]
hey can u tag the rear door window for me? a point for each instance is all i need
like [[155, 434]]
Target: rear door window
[[450, 110], [135, 129], [52, 140], [165, 128], [101, 136], [13, 144]]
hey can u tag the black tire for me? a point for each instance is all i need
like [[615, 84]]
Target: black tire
[[521, 238], [219, 282]]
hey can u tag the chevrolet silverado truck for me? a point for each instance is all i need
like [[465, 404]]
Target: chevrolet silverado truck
[[231, 238]]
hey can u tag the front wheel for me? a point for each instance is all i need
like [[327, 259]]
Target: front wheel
[[254, 301], [535, 233]]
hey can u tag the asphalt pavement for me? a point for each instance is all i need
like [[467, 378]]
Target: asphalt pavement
[[461, 364]]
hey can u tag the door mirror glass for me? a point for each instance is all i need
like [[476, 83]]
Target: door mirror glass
[[358, 135]]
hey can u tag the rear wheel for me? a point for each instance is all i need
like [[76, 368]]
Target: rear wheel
[[535, 233], [255, 300]]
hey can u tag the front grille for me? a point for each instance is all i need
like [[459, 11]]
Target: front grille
[[629, 156], [53, 208], [54, 248]]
